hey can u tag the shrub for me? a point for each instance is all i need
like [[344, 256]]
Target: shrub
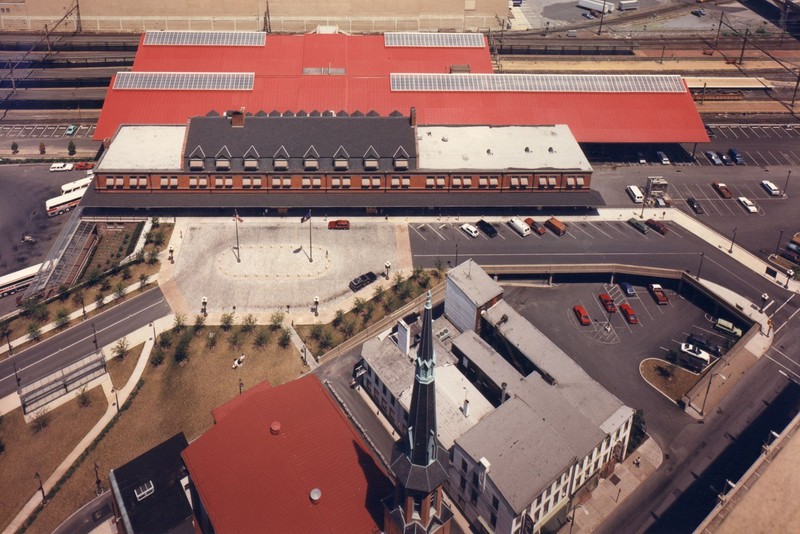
[[235, 339], [199, 322], [121, 347], [378, 294], [34, 331], [249, 323], [358, 305], [424, 279], [2, 446], [62, 317], [638, 431], [276, 320], [369, 309], [286, 338], [179, 323], [126, 273], [152, 257], [316, 330], [14, 147], [325, 340], [348, 328], [158, 239], [154, 222], [182, 350], [93, 277], [165, 340], [63, 292], [143, 278], [105, 284], [41, 420], [211, 341], [119, 289], [84, 399], [99, 299], [226, 321], [35, 309], [71, 148], [157, 358], [338, 318], [262, 337]]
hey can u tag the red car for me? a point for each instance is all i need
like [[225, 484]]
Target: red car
[[581, 315], [84, 166], [627, 311], [538, 228], [608, 303], [341, 224]]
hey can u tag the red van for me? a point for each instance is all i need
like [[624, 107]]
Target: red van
[[341, 224]]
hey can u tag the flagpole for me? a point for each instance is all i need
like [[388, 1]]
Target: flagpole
[[310, 244], [238, 250]]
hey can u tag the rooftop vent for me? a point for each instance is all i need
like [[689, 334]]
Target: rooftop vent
[[275, 428], [315, 495], [527, 149], [144, 491]]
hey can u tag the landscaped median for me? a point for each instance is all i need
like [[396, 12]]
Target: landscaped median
[[671, 380]]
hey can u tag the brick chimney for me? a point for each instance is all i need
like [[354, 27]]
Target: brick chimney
[[237, 118], [413, 116]]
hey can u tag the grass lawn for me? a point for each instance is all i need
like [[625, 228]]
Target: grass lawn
[[121, 370], [174, 398], [28, 452], [672, 380], [320, 338]]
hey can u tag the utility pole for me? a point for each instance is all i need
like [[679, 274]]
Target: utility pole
[[744, 44], [78, 25], [719, 29], [266, 19], [602, 14]]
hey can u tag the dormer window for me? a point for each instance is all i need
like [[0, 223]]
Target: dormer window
[[196, 164], [400, 164], [341, 159], [370, 164], [310, 164], [281, 164], [340, 164], [223, 164], [250, 164]]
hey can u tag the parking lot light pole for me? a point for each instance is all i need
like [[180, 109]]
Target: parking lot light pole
[[786, 185], [700, 268], [778, 246], [153, 326], [733, 240], [38, 477]]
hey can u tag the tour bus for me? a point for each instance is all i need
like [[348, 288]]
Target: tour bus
[[83, 183], [58, 205], [17, 281], [520, 227]]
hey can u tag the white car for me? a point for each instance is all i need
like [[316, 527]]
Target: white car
[[771, 188], [470, 230], [59, 167], [748, 204], [695, 351]]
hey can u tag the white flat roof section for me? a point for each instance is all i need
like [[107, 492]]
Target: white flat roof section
[[473, 281], [499, 148], [145, 148]]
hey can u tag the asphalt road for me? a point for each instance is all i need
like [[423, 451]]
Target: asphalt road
[[56, 352]]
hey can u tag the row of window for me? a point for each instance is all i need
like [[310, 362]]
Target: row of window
[[282, 164], [346, 182]]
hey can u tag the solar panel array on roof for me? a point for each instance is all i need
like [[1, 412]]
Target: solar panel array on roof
[[187, 81], [434, 40], [189, 38], [539, 83]]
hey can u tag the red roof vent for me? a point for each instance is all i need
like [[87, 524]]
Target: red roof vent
[[315, 495], [275, 428]]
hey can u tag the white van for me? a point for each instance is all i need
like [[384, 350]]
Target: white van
[[771, 188], [635, 193], [663, 157], [520, 227]]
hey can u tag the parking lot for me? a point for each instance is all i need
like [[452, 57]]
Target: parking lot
[[713, 204], [610, 350], [45, 131]]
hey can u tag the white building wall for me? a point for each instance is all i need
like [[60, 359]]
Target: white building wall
[[458, 308]]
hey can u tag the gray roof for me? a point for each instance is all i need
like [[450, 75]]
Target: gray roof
[[295, 138], [478, 286], [482, 356], [572, 382]]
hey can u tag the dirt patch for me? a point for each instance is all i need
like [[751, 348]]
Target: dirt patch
[[175, 398], [28, 452], [668, 378]]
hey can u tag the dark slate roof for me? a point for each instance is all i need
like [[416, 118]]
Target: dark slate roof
[[307, 199], [297, 135], [167, 508]]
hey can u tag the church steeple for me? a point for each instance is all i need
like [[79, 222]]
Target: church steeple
[[419, 461]]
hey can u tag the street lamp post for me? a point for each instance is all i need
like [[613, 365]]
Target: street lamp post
[[778, 246], [702, 255], [94, 336], [41, 488], [456, 265], [572, 520], [204, 306], [733, 240], [316, 306], [786, 185], [153, 326], [388, 266], [241, 386], [116, 397], [602, 14]]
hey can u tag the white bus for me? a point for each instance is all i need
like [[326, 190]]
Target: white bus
[[64, 203], [83, 183], [12, 282]]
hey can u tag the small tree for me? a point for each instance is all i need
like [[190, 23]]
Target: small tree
[[62, 317], [126, 272], [424, 279], [286, 338], [235, 339], [179, 323], [84, 399], [105, 284], [152, 257], [378, 294], [348, 328], [369, 309], [93, 277], [154, 222], [358, 305], [165, 340], [338, 317], [35, 309], [276, 320], [157, 358], [78, 298], [211, 341], [316, 330], [100, 299], [199, 322], [249, 323], [182, 350], [262, 337], [121, 348], [14, 147], [325, 339], [158, 239], [41, 420], [71, 147], [119, 289], [226, 321], [42, 148], [439, 268], [5, 331], [34, 331], [143, 279]]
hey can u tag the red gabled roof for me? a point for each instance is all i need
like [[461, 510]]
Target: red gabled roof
[[280, 85], [250, 480]]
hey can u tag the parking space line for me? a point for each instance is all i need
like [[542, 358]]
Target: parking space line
[[744, 133], [599, 230], [790, 157], [754, 130], [760, 155], [435, 232], [777, 161], [570, 234], [615, 227], [578, 226], [777, 130], [417, 231]]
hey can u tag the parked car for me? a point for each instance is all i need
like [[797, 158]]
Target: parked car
[[748, 204], [726, 159], [61, 167], [84, 165], [641, 158], [71, 129], [713, 158], [736, 156], [588, 15], [486, 228], [362, 281], [695, 205], [791, 256], [537, 228], [608, 302], [340, 224], [581, 315], [695, 351], [628, 313], [639, 225], [627, 289], [704, 343], [699, 13], [794, 247], [722, 189], [723, 325], [658, 226], [771, 188], [469, 230], [662, 157]]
